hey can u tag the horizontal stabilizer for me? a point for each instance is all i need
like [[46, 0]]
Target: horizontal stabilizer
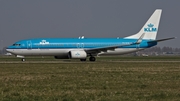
[[162, 39]]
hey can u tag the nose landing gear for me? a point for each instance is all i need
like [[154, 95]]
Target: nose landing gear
[[23, 59]]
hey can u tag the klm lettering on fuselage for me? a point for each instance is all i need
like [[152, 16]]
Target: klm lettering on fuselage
[[150, 28]]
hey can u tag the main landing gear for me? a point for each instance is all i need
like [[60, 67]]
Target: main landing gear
[[83, 59], [90, 59]]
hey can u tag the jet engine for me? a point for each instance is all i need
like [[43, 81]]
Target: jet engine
[[77, 54]]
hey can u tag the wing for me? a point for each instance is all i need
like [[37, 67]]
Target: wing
[[106, 48], [112, 48]]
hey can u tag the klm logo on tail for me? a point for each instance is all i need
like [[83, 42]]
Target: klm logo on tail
[[150, 28]]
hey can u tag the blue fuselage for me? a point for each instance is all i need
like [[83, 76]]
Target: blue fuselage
[[73, 43], [62, 47]]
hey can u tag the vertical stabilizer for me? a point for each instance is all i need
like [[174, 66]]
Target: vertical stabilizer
[[150, 28]]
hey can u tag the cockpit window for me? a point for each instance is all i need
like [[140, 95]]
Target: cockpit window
[[16, 44]]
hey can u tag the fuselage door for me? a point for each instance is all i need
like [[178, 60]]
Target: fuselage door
[[29, 44], [80, 45]]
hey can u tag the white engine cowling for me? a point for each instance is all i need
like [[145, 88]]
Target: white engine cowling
[[78, 54]]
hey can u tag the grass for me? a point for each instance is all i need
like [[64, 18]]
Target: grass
[[85, 81]]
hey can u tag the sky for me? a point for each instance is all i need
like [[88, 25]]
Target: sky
[[25, 19]]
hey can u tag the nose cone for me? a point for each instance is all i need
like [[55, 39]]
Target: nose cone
[[9, 49]]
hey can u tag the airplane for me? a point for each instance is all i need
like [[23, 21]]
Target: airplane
[[82, 48]]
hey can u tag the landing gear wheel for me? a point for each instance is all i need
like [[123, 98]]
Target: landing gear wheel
[[23, 59], [92, 58], [83, 59]]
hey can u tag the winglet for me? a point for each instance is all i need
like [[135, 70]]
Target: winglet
[[140, 39]]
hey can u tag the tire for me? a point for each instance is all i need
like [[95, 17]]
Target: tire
[[92, 58], [83, 59], [23, 59]]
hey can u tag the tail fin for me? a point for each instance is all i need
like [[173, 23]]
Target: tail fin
[[150, 29]]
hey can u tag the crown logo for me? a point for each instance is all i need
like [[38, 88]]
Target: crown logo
[[150, 25], [44, 42], [77, 54]]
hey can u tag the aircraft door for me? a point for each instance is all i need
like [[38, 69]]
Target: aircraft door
[[80, 45], [29, 44]]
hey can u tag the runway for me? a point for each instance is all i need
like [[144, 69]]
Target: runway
[[79, 62]]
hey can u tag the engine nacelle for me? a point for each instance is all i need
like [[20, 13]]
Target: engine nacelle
[[78, 54]]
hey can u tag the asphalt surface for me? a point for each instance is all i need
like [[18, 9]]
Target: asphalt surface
[[8, 62]]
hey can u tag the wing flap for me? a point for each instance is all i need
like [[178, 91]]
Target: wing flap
[[106, 48]]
